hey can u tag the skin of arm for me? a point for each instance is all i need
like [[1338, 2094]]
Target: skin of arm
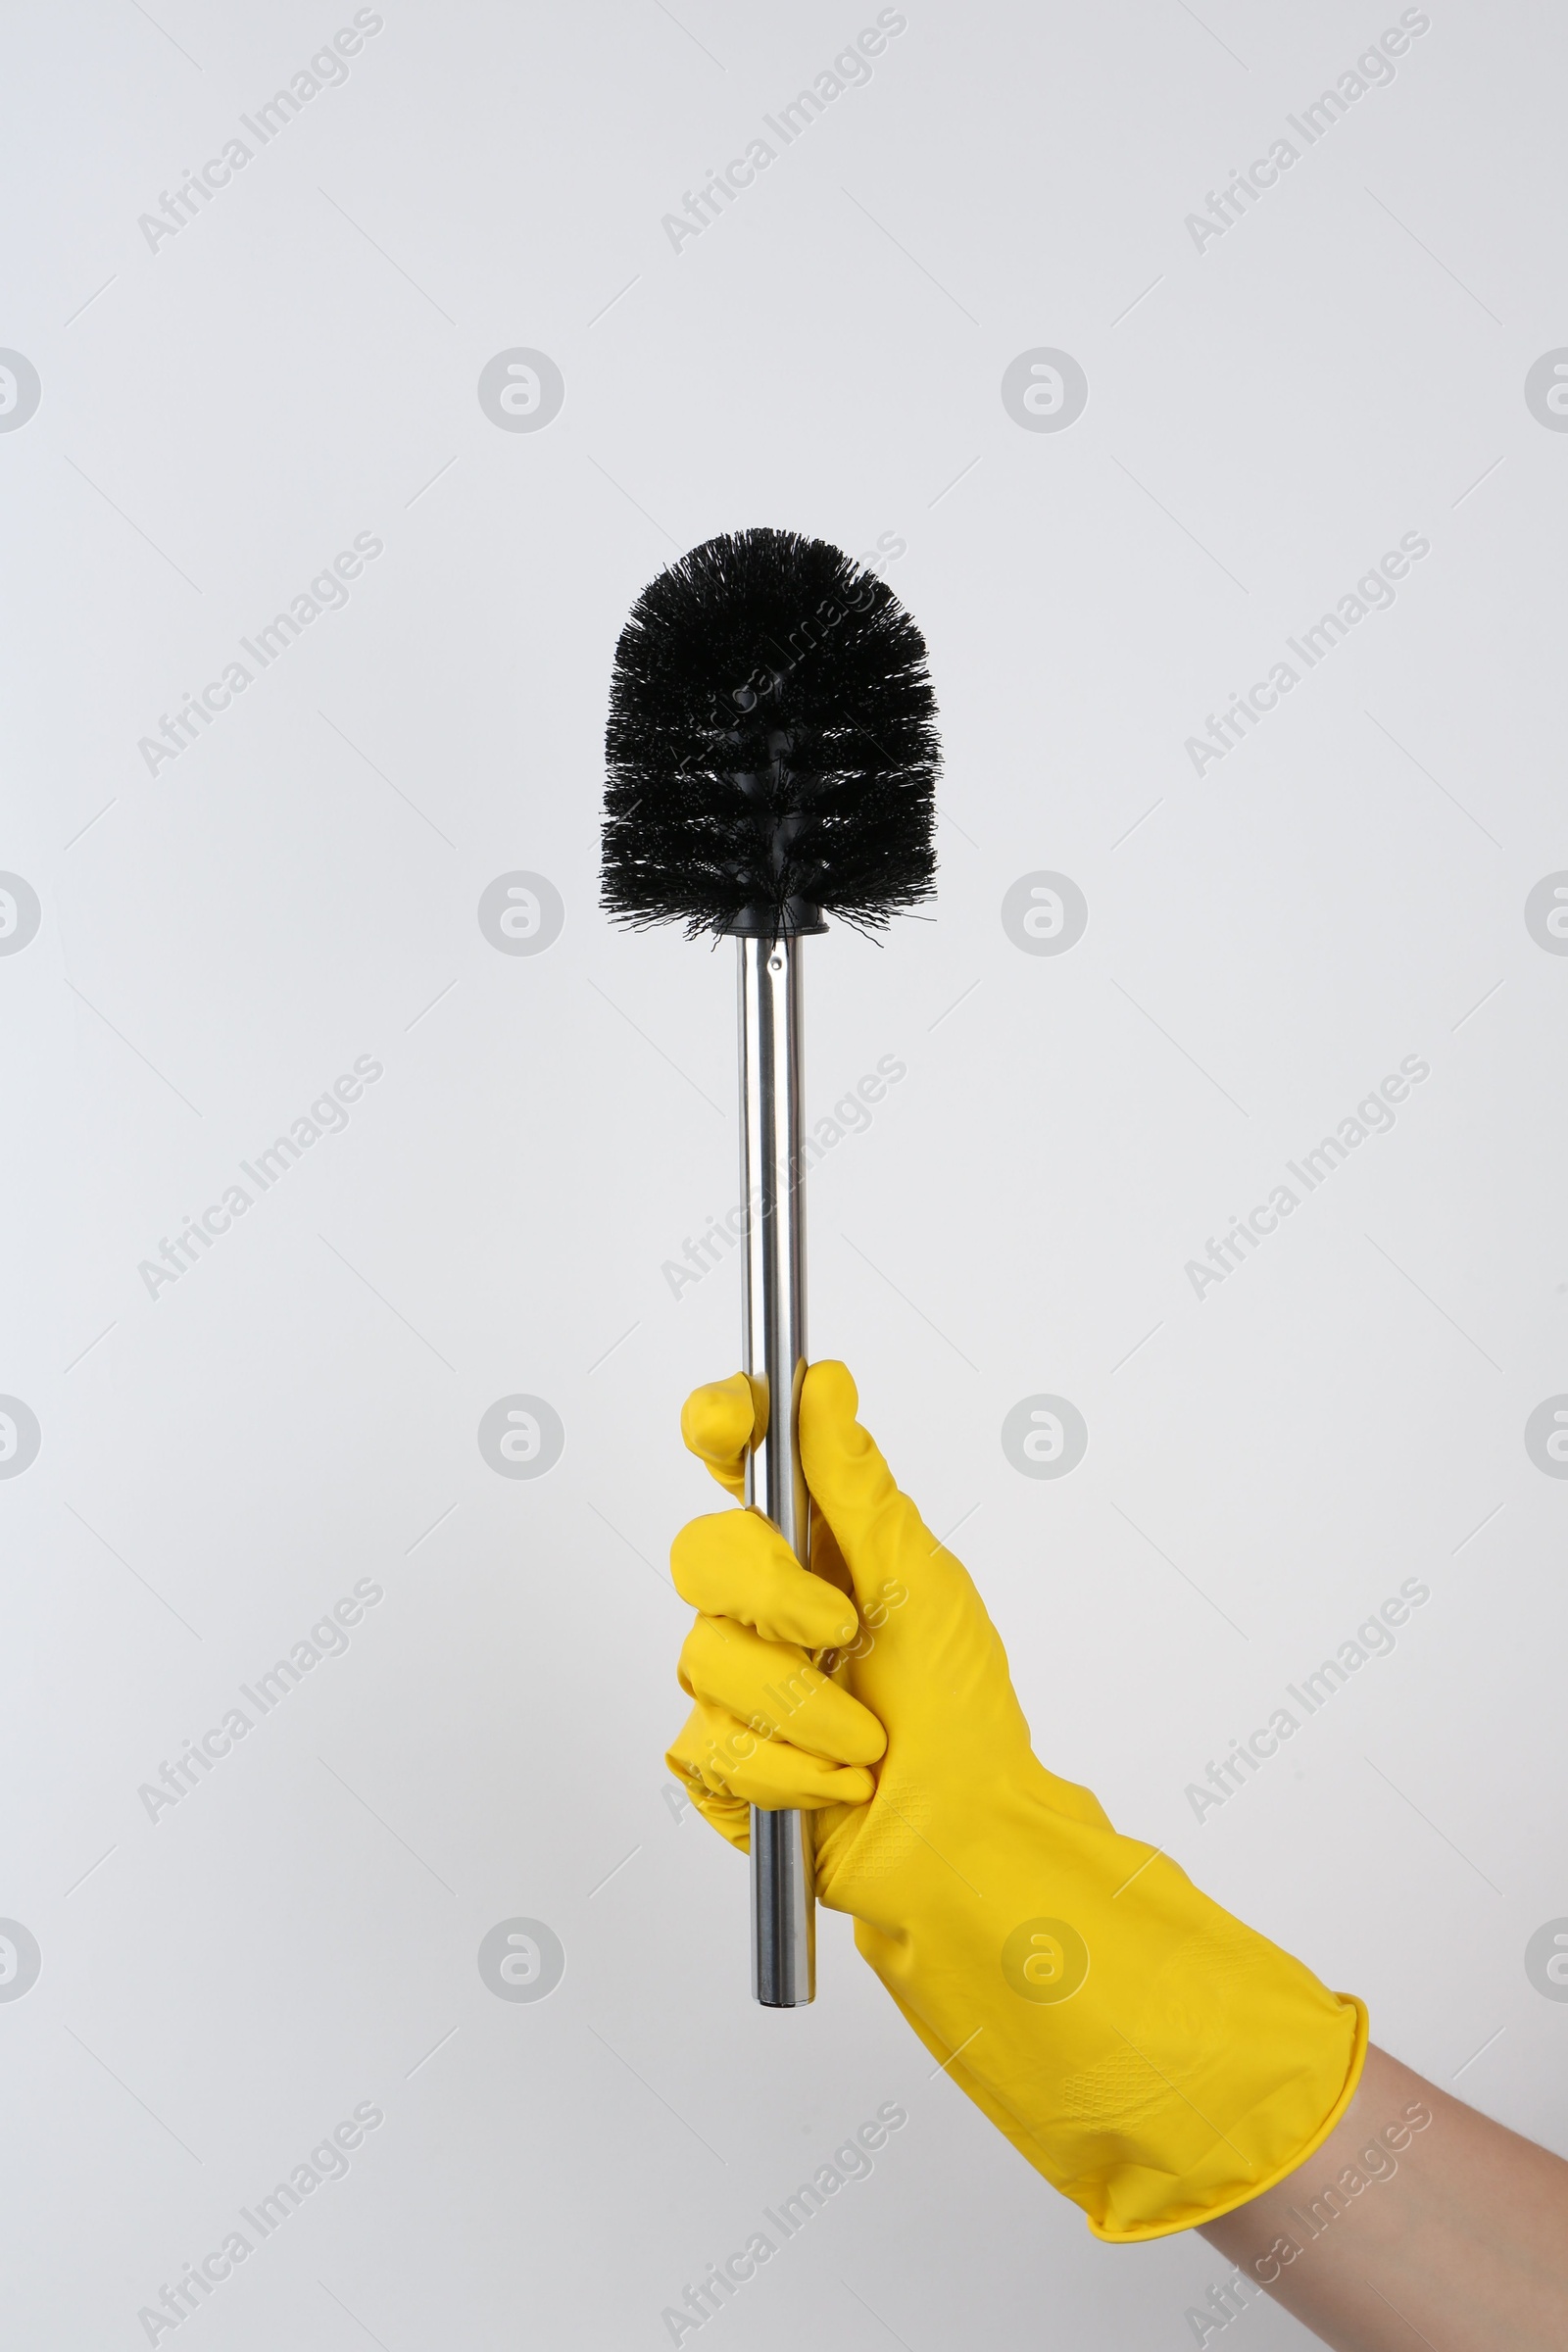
[[1418, 2221]]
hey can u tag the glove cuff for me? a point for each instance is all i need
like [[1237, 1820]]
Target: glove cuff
[[1191, 2210]]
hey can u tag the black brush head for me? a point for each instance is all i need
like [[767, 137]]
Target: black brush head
[[773, 752]]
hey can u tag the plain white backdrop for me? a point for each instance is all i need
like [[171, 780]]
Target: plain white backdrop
[[223, 410]]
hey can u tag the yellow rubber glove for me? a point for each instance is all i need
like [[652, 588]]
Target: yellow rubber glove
[[1157, 2061]]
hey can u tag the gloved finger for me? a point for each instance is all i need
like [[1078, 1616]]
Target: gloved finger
[[878, 1528], [716, 1423], [774, 1687], [730, 1816], [716, 1750], [736, 1565]]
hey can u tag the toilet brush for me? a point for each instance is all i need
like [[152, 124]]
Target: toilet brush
[[772, 759]]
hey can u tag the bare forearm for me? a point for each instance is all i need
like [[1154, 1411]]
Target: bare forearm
[[1449, 2228]]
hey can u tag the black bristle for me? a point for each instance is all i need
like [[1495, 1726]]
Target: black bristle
[[772, 743]]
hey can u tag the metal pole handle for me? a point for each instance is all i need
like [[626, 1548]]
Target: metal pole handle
[[772, 1129]]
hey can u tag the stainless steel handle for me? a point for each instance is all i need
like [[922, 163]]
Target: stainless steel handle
[[772, 1129]]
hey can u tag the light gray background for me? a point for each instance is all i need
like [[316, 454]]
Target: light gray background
[[218, 417]]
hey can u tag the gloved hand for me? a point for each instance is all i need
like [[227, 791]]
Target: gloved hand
[[1155, 2060]]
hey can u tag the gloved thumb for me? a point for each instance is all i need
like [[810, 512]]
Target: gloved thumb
[[878, 1529], [934, 1673]]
